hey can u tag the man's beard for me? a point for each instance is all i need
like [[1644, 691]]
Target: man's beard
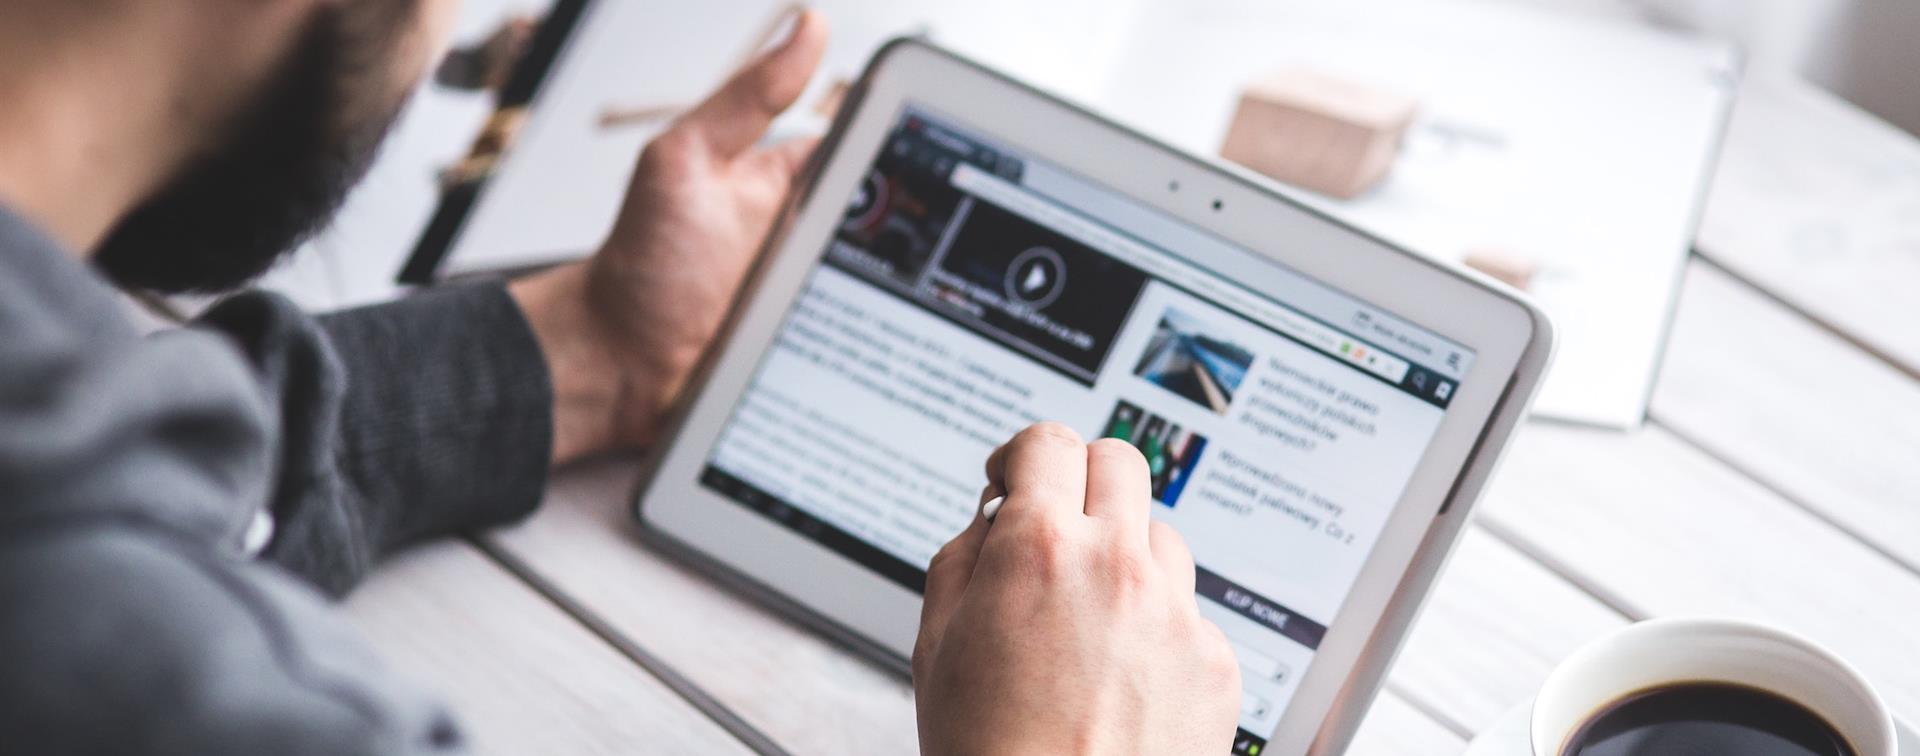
[[276, 176]]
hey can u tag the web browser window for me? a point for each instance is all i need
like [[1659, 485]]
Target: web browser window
[[971, 291]]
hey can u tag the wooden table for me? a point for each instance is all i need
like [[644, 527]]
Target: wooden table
[[1778, 479]]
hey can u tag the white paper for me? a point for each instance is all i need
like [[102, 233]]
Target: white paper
[[1581, 143]]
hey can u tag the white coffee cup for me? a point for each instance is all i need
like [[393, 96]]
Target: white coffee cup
[[1669, 651]]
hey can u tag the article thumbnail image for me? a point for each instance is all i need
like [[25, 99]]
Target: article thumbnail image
[[896, 216], [1171, 451], [1052, 294], [1182, 358]]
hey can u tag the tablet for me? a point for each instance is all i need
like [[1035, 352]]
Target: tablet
[[968, 256]]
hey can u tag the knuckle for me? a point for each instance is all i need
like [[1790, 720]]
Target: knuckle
[[670, 154], [1049, 433], [1050, 551], [1132, 574], [1168, 537], [922, 661], [940, 559], [767, 95], [1219, 665], [1225, 676], [1161, 529], [1113, 451]]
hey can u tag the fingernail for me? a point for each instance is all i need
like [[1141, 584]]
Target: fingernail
[[795, 16], [771, 41]]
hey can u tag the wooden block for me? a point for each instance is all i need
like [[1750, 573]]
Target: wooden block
[[523, 676], [1506, 267], [1319, 132]]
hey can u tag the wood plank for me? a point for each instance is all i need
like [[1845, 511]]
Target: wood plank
[[522, 676], [804, 692], [1495, 625], [807, 694], [1819, 203], [1394, 727], [1655, 526], [1796, 408]]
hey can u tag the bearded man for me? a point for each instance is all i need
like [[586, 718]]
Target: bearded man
[[177, 511]]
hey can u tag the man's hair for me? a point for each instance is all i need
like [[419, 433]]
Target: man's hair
[[279, 170]]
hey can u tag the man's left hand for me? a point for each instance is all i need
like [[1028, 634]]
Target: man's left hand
[[622, 330]]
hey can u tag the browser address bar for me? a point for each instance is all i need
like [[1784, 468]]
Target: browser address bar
[[1038, 209]]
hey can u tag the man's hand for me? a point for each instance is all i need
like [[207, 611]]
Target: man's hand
[[622, 330], [1069, 624]]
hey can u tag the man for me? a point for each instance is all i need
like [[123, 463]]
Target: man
[[175, 509]]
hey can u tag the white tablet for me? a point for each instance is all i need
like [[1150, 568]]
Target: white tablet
[[969, 256]]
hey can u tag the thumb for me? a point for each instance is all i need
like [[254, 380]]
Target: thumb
[[736, 115]]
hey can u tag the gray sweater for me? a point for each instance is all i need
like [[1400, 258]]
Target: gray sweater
[[177, 511]]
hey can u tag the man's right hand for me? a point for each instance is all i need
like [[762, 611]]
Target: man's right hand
[[1069, 624]]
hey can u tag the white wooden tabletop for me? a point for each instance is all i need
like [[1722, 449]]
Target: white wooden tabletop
[[1778, 479]]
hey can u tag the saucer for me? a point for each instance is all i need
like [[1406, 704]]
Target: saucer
[[1508, 736]]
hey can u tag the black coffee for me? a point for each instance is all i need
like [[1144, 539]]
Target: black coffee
[[1706, 719]]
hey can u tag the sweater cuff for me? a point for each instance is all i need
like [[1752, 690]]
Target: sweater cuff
[[446, 425]]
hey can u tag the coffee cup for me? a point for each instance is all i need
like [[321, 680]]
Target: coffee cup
[[1659, 656]]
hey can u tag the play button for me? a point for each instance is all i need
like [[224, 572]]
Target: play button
[[1036, 280], [1036, 277]]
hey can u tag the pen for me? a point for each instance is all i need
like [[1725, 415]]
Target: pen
[[992, 507]]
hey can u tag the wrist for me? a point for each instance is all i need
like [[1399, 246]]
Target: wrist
[[588, 383]]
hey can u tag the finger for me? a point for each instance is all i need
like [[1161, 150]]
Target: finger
[[947, 578], [996, 469], [734, 117], [1118, 487], [990, 492], [996, 488], [1044, 474], [1170, 552], [787, 159]]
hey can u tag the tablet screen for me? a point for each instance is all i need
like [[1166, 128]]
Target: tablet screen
[[971, 290]]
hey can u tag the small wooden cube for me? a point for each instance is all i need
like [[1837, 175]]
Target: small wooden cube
[[1506, 267], [1319, 132]]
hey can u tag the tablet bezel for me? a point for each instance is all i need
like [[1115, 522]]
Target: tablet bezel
[[1511, 339]]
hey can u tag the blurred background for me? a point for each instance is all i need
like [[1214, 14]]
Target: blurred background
[[1564, 146], [1859, 49]]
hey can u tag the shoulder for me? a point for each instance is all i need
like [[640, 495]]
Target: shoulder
[[121, 636]]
